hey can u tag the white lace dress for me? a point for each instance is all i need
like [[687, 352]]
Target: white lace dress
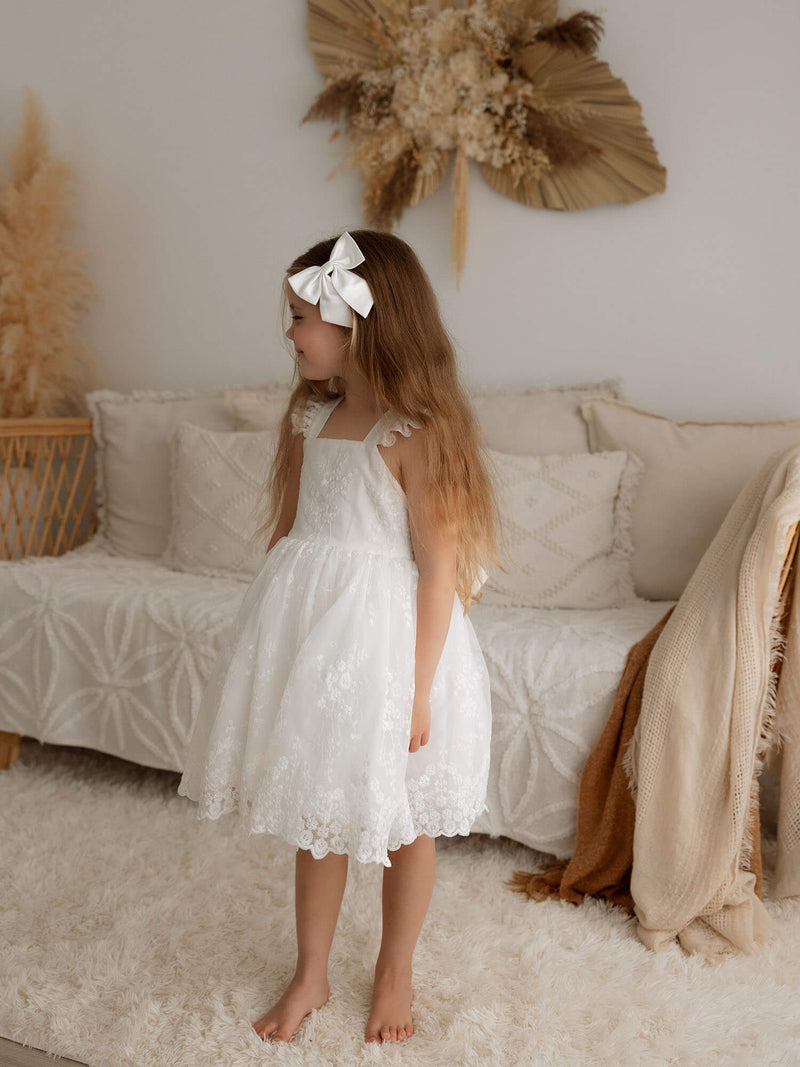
[[304, 724]]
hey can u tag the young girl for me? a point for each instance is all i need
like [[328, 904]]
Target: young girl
[[348, 710]]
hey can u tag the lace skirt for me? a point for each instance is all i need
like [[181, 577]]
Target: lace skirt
[[304, 724]]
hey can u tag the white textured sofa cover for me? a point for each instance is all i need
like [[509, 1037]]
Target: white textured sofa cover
[[112, 653]]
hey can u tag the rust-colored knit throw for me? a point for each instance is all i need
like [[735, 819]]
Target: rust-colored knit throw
[[601, 865]]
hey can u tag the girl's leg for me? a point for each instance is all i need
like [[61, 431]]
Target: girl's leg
[[318, 891], [407, 889]]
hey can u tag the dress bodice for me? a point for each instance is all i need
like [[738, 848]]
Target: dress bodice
[[348, 495]]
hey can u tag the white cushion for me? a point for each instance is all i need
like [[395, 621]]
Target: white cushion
[[693, 473], [132, 434], [531, 421], [566, 522], [255, 410], [218, 483], [537, 421]]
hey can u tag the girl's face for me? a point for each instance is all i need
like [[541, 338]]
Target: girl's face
[[320, 346]]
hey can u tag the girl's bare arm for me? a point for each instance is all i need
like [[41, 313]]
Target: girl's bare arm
[[289, 506], [435, 555]]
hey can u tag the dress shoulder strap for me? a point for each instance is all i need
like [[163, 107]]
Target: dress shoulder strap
[[391, 424], [309, 420]]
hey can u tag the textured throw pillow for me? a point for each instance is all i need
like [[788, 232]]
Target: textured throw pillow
[[693, 472], [217, 500], [526, 422], [256, 411], [537, 421], [566, 522], [132, 434]]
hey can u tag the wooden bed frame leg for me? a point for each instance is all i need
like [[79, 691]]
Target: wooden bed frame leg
[[9, 749]]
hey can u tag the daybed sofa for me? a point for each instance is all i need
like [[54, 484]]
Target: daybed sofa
[[608, 510]]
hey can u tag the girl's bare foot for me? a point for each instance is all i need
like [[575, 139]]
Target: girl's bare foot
[[390, 1015], [283, 1019]]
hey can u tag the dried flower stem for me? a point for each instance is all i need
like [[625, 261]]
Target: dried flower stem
[[460, 212]]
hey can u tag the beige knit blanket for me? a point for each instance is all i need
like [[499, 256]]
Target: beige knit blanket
[[722, 688]]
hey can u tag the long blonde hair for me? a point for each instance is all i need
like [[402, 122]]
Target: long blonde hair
[[404, 352]]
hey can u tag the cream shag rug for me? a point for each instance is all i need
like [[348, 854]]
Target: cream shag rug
[[134, 934]]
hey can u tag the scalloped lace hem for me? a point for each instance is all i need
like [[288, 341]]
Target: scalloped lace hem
[[328, 840]]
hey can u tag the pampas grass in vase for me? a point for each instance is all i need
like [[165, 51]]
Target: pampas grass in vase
[[44, 364]]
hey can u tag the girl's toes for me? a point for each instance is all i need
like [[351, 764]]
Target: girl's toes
[[386, 1033]]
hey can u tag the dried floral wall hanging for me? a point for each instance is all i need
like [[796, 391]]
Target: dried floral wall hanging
[[504, 82], [44, 365]]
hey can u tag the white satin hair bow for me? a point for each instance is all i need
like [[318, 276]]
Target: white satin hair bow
[[334, 286]]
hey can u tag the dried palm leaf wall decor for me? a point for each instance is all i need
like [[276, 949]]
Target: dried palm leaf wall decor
[[504, 82]]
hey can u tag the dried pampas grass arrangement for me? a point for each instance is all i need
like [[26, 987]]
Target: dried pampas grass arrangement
[[503, 82], [43, 287]]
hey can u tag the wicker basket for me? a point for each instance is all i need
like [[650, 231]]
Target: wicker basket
[[46, 499], [46, 486]]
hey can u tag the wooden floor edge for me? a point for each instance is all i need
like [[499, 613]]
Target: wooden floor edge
[[9, 749], [14, 1054]]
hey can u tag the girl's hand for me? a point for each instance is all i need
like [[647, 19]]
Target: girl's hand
[[420, 722]]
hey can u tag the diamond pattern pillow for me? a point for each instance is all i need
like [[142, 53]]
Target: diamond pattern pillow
[[566, 522], [217, 500]]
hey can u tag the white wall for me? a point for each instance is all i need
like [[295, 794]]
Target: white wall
[[198, 186]]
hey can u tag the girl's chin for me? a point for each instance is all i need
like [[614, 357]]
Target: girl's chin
[[311, 374]]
